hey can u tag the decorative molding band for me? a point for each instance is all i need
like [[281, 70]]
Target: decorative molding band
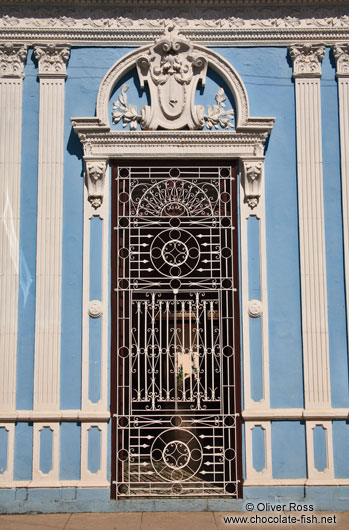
[[307, 61], [12, 59], [49, 229], [341, 54], [52, 59], [11, 77], [295, 414], [59, 415], [306, 482], [212, 24], [99, 143]]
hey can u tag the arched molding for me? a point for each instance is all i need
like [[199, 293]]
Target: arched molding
[[214, 60]]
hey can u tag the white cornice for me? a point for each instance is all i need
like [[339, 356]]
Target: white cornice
[[211, 23]]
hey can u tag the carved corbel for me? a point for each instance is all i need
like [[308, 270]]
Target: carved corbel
[[52, 59], [95, 177], [252, 171], [12, 59], [307, 59], [341, 54]]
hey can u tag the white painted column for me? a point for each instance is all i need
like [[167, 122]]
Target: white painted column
[[341, 53], [52, 61], [307, 72], [12, 58]]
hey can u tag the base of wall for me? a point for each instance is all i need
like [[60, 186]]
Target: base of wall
[[75, 500]]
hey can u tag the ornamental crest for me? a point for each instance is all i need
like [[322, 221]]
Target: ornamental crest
[[172, 70]]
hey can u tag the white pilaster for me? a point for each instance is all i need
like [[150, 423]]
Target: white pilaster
[[251, 473], [341, 53], [12, 58], [252, 204], [307, 72], [52, 61], [96, 204]]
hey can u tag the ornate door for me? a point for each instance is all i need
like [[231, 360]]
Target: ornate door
[[175, 330]]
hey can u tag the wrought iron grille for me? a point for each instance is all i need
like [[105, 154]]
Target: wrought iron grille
[[175, 332]]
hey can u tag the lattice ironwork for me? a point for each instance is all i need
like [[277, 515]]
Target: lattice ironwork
[[175, 350]]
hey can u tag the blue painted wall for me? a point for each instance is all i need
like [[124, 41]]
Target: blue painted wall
[[288, 449]]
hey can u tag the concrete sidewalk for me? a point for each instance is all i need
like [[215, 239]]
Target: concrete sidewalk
[[167, 521]]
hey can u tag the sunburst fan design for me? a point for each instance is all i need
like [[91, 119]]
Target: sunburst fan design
[[172, 197]]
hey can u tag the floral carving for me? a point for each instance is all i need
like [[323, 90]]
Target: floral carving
[[95, 308], [95, 176], [125, 112], [52, 58], [341, 54], [307, 59], [12, 59], [218, 115]]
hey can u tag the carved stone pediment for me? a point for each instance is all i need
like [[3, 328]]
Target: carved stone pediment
[[172, 70]]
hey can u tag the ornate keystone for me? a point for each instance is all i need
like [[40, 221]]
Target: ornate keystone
[[95, 176], [252, 176], [12, 59], [307, 59], [52, 59], [341, 54]]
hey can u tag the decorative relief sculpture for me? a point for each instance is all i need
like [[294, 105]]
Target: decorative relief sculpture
[[172, 72], [12, 59], [95, 175], [341, 54], [307, 59], [252, 173], [95, 308], [298, 17], [52, 58], [255, 308]]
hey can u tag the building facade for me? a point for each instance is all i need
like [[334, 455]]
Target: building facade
[[174, 255]]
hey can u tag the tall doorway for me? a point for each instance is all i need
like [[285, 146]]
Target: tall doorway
[[175, 359]]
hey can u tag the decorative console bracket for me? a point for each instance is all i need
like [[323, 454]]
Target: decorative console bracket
[[95, 176], [251, 172]]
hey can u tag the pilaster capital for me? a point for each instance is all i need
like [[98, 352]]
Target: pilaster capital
[[307, 59], [52, 59], [341, 54], [95, 177], [251, 172], [12, 59]]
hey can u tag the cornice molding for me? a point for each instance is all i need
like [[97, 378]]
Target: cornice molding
[[260, 23], [12, 59]]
